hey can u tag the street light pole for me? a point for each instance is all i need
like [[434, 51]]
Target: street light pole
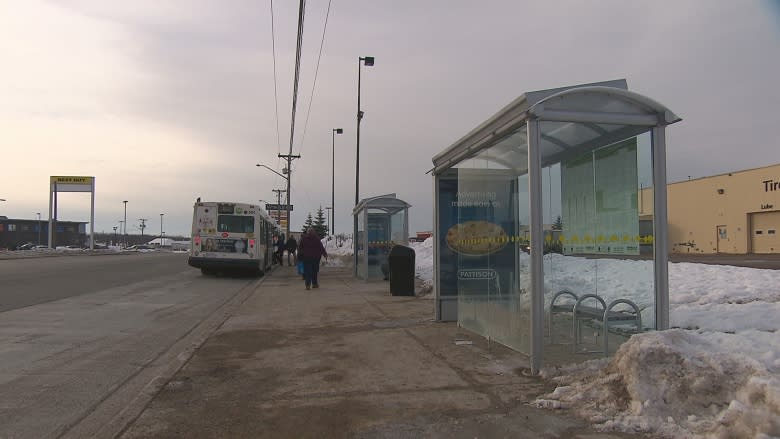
[[368, 61], [333, 182], [114, 235], [125, 223], [161, 229], [286, 177]]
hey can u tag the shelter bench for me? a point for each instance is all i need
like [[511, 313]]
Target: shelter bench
[[603, 315]]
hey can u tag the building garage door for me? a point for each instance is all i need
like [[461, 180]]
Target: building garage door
[[765, 232]]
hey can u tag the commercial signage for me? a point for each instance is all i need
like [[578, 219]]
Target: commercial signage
[[72, 183], [278, 207], [72, 180]]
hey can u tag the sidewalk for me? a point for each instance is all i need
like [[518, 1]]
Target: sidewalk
[[348, 360]]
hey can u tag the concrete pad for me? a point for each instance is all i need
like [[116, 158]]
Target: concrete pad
[[349, 360]]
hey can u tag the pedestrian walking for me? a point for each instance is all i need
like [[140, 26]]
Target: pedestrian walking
[[279, 245], [311, 250], [292, 247]]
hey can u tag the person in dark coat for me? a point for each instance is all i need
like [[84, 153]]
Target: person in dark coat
[[311, 251], [279, 249], [292, 247]]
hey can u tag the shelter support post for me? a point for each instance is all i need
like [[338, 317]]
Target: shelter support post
[[537, 244], [660, 229]]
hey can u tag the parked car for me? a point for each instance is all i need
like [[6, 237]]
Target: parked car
[[26, 246]]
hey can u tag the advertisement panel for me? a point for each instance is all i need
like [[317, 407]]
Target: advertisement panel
[[477, 234], [599, 195], [225, 245]]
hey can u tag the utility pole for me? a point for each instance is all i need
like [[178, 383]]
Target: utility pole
[[288, 171], [142, 226]]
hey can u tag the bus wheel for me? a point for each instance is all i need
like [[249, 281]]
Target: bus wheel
[[206, 271]]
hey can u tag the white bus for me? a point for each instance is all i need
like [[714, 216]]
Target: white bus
[[227, 235]]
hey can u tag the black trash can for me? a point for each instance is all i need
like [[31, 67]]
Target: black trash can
[[401, 264]]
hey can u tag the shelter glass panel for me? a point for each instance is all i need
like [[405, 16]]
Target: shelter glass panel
[[398, 229], [361, 245], [598, 247], [378, 232], [486, 239]]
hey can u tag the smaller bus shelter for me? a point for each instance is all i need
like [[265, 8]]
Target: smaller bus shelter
[[381, 222]]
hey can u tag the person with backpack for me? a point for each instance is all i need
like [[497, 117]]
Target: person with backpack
[[311, 250]]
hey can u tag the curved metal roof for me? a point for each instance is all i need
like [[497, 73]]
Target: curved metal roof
[[578, 119], [388, 203]]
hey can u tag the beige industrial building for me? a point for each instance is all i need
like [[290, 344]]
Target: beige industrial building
[[737, 212]]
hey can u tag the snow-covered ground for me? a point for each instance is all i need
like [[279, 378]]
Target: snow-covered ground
[[716, 375]]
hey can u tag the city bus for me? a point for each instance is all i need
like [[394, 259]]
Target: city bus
[[229, 235]]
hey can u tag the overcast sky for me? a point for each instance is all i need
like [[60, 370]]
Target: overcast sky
[[167, 101]]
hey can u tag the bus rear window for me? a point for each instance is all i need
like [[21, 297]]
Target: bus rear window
[[235, 224]]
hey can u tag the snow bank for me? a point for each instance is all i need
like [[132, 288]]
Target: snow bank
[[676, 383]]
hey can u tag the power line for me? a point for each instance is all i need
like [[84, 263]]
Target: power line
[[301, 13], [316, 72], [289, 157], [276, 98]]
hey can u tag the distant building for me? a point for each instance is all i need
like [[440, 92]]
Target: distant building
[[15, 232], [737, 212]]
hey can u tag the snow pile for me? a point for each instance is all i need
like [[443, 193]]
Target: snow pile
[[717, 377], [423, 260], [676, 383], [335, 247]]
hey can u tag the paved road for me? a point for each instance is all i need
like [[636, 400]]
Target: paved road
[[86, 339], [765, 261], [30, 281]]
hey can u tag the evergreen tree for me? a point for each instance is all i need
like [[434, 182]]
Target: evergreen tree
[[320, 224], [558, 224], [308, 224]]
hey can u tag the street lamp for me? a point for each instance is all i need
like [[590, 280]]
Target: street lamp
[[125, 223], [161, 230], [114, 235], [368, 61], [121, 229], [333, 180], [270, 169], [286, 177]]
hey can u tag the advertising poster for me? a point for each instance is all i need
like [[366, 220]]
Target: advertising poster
[[477, 233], [599, 195]]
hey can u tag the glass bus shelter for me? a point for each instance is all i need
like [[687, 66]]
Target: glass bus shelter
[[539, 241], [382, 222]]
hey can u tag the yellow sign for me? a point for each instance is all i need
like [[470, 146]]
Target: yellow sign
[[72, 180], [283, 223]]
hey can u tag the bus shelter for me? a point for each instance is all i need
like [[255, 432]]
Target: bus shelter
[[539, 241], [381, 223]]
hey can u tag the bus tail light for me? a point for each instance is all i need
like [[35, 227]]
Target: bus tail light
[[251, 243], [196, 241]]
